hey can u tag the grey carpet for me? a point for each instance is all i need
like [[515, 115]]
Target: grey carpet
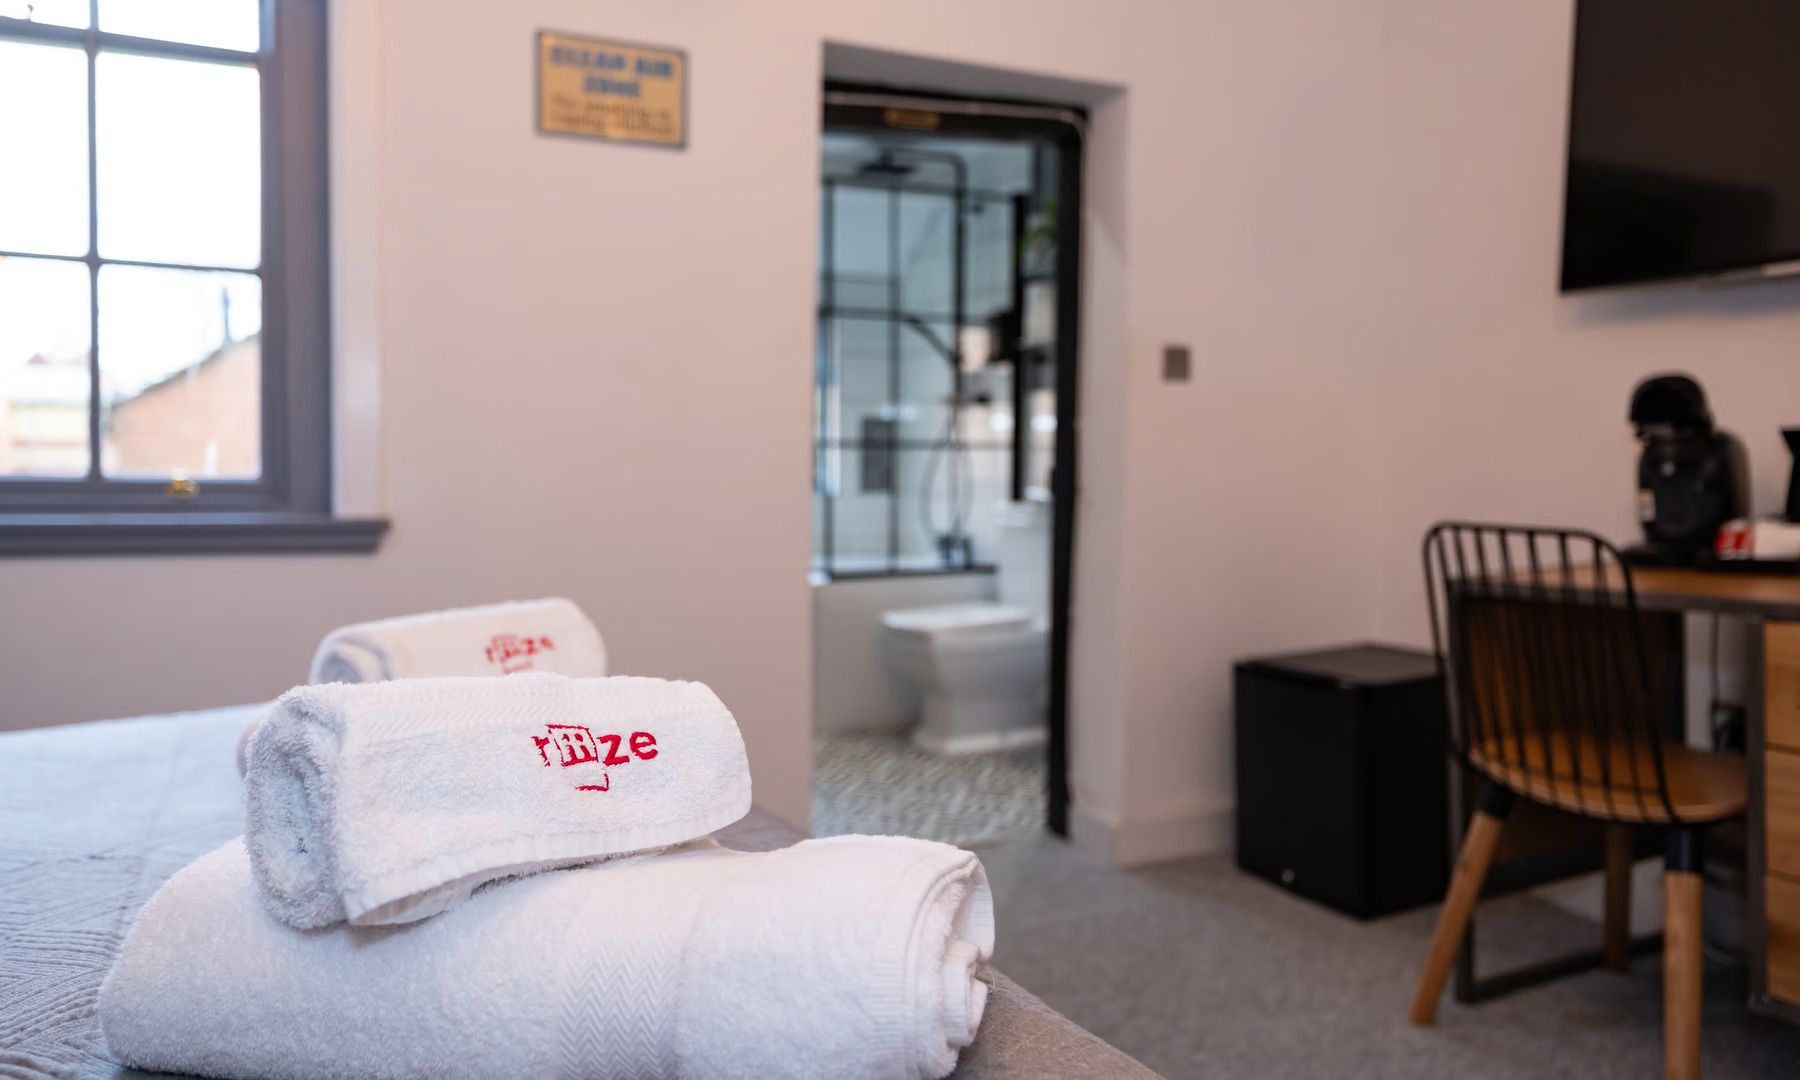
[[883, 784], [1198, 970]]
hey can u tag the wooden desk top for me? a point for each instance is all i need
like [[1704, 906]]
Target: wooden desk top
[[1774, 596]]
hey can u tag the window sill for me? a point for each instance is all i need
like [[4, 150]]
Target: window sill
[[834, 577], [196, 533]]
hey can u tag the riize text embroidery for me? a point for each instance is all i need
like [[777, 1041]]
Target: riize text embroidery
[[577, 745], [513, 652]]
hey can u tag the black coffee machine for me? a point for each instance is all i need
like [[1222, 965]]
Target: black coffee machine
[[1691, 478]]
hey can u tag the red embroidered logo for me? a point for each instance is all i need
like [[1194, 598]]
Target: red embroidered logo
[[513, 652], [577, 745], [574, 744]]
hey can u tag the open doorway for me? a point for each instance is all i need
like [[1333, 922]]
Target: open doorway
[[943, 468]]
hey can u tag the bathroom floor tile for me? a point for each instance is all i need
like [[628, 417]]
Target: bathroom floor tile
[[883, 784]]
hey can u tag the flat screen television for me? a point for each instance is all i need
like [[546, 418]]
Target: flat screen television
[[1684, 140]]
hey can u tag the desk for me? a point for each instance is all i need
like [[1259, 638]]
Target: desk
[[1772, 603]]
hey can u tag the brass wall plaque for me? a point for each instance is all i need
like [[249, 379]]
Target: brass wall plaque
[[611, 90]]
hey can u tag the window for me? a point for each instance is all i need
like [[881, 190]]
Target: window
[[163, 333]]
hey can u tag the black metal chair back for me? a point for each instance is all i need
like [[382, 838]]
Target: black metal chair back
[[1539, 640]]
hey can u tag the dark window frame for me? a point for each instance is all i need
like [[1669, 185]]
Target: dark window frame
[[288, 507]]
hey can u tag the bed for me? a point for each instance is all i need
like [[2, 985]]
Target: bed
[[93, 817]]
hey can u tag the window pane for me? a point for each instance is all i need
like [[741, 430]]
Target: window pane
[[44, 377], [180, 373], [52, 12], [223, 24], [43, 167], [179, 146]]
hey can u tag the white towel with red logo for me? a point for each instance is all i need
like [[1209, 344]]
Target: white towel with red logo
[[497, 639], [552, 634], [389, 802], [853, 956]]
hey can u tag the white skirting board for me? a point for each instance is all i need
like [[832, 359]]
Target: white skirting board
[[1586, 896], [1723, 910], [1140, 843]]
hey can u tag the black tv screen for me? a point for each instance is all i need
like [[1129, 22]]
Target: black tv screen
[[1684, 140]]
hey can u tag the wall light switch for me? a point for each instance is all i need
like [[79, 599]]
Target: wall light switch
[[1176, 363]]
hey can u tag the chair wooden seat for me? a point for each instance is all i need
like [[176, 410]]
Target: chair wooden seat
[[1553, 698], [1703, 786]]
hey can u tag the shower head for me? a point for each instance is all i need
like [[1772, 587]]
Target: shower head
[[885, 165]]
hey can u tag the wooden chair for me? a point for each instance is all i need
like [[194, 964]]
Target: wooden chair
[[1551, 699]]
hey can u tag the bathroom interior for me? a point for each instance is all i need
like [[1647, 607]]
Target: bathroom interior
[[935, 455]]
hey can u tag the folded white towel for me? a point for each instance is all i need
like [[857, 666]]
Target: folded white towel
[[389, 802], [497, 639], [494, 639], [853, 956]]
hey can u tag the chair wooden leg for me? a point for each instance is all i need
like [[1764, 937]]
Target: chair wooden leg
[[1681, 958], [1618, 896], [1459, 903]]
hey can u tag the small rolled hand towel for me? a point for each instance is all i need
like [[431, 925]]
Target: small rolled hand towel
[[494, 639], [389, 802], [853, 956]]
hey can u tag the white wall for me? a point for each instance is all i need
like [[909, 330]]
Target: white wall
[[595, 382], [1501, 399], [596, 362]]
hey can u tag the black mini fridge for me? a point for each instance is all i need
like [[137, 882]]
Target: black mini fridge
[[1342, 776]]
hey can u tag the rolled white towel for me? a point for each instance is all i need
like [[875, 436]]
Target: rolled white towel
[[552, 634], [496, 639], [390, 802], [852, 956]]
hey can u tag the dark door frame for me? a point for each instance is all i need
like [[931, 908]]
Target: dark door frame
[[852, 107]]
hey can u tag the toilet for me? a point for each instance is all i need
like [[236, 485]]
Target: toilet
[[982, 669]]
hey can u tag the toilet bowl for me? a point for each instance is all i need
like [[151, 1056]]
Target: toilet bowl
[[981, 669]]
